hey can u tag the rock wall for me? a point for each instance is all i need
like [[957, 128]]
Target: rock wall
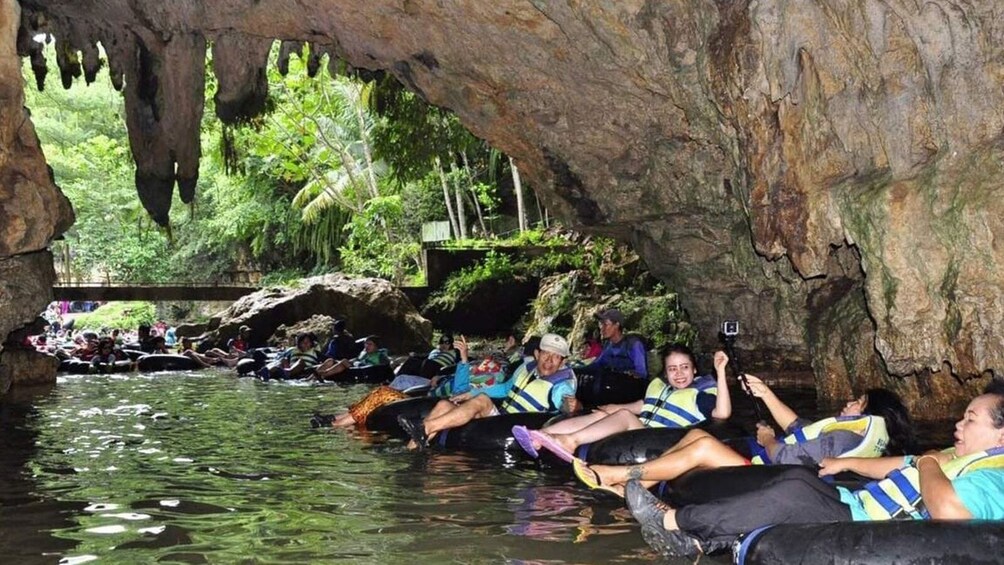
[[784, 162], [370, 306], [32, 209]]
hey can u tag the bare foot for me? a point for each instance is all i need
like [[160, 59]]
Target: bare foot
[[565, 441], [343, 421], [611, 475]]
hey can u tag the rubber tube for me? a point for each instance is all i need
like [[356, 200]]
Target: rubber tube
[[638, 446], [875, 543], [384, 418], [164, 362], [493, 433]]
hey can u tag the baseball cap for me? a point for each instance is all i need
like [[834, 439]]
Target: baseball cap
[[554, 343], [612, 314]]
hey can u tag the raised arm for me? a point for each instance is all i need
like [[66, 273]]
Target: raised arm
[[723, 401], [782, 414]]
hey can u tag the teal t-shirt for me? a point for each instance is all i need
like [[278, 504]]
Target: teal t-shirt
[[981, 492]]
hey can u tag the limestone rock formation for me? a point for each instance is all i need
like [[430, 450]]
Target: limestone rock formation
[[26, 367], [318, 324], [370, 306], [781, 162]]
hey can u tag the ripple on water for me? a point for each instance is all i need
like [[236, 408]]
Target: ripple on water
[[216, 470]]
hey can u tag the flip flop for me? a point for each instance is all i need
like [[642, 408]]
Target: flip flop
[[549, 444], [591, 478], [522, 436]]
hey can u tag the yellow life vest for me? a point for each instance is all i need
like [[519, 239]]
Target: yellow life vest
[[532, 393], [666, 407], [897, 497], [872, 429]]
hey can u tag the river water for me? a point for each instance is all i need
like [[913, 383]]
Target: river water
[[205, 468]]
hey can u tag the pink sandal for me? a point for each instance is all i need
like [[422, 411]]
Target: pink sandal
[[522, 436], [548, 443]]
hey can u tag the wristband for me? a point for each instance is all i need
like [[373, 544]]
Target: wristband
[[916, 462], [909, 460]]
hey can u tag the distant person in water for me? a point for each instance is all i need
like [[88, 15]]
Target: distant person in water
[[295, 361], [237, 348], [371, 355], [621, 353]]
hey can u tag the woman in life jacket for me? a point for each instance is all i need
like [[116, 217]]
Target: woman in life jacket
[[680, 399], [871, 425], [963, 482]]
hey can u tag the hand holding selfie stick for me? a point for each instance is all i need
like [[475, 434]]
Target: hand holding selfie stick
[[730, 330]]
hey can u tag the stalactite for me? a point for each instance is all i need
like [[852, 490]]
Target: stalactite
[[239, 63]]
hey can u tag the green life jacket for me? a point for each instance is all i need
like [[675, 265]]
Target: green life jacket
[[872, 429], [666, 407], [532, 393], [897, 497]]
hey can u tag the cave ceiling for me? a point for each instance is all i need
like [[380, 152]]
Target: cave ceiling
[[826, 171]]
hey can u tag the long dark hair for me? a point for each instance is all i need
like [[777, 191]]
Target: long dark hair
[[888, 405]]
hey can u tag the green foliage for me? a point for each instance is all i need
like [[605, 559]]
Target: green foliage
[[461, 285], [338, 174], [413, 133], [374, 249], [662, 320], [121, 315], [500, 266]]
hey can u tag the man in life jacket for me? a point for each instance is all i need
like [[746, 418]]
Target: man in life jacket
[[963, 482], [621, 353], [542, 386]]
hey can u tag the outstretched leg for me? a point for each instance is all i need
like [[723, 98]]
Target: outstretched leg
[[478, 407], [619, 421], [697, 450], [574, 424]]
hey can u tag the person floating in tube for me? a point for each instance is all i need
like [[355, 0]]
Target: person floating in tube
[[679, 400], [963, 482], [544, 386]]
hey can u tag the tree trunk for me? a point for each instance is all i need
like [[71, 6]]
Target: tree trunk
[[474, 194], [518, 187], [446, 198], [461, 214], [540, 211]]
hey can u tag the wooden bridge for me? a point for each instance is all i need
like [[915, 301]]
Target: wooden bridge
[[153, 292]]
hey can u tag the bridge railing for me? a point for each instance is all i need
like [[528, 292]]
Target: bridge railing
[[157, 284]]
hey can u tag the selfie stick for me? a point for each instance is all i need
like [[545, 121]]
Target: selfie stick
[[730, 343]]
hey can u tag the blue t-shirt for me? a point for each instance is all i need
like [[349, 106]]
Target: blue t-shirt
[[627, 356], [981, 492]]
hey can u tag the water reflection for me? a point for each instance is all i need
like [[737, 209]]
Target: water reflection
[[201, 468]]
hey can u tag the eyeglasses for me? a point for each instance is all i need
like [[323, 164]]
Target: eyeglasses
[[677, 368]]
